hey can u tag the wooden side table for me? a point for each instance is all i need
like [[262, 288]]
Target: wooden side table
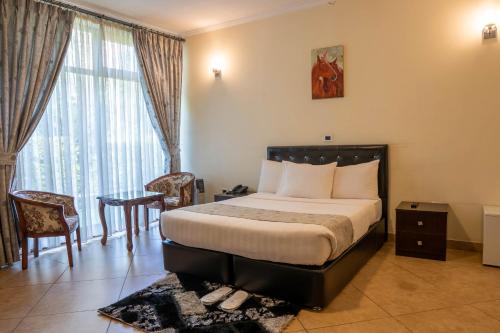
[[128, 200], [421, 230]]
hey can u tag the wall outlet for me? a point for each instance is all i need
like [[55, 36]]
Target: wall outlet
[[328, 138]]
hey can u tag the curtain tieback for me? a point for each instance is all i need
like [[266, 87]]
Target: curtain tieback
[[8, 158]]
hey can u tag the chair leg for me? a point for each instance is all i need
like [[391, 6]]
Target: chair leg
[[68, 248], [35, 250], [78, 239], [24, 246], [146, 218]]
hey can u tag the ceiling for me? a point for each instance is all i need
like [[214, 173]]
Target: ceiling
[[188, 17]]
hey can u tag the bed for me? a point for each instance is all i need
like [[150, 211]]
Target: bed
[[293, 261]]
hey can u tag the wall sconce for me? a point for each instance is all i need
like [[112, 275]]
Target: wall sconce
[[217, 65], [490, 31], [217, 72]]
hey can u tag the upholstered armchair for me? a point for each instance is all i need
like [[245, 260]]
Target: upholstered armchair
[[178, 189], [45, 214]]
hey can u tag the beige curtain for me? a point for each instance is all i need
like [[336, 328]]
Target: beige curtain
[[160, 58], [33, 40]]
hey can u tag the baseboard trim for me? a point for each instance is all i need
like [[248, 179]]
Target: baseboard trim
[[464, 245], [455, 244]]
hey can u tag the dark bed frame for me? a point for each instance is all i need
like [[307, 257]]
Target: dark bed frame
[[309, 286]]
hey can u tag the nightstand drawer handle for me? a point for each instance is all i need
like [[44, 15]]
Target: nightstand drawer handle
[[420, 223], [420, 243]]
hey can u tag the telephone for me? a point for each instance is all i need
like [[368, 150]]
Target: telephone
[[238, 189]]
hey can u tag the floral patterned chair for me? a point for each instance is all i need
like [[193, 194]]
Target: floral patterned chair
[[178, 189], [45, 214]]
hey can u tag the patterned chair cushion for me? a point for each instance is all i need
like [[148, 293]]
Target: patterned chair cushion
[[172, 201], [40, 219], [46, 219], [169, 202]]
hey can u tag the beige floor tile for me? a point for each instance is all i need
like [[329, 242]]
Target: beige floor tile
[[348, 307], [374, 268], [295, 326], [386, 284], [40, 271], [153, 233], [116, 247], [136, 283], [97, 268], [372, 326], [147, 265], [78, 296], [427, 267], [464, 257], [78, 322], [468, 284], [147, 246], [8, 325], [399, 292], [456, 319], [18, 301], [117, 327], [491, 308]]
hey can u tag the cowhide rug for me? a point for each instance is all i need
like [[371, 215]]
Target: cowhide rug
[[173, 305]]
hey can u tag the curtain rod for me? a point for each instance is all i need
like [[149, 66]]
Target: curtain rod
[[108, 18]]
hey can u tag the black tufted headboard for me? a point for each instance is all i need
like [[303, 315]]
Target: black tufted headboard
[[343, 155]]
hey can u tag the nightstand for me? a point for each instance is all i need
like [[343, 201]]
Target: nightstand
[[226, 196], [421, 231]]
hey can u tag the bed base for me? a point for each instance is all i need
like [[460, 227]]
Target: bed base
[[308, 286]]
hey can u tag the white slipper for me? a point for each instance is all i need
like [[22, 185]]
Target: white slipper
[[216, 295], [235, 301]]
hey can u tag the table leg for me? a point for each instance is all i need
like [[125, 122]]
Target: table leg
[[136, 220], [104, 238], [128, 225], [162, 209], [146, 217]]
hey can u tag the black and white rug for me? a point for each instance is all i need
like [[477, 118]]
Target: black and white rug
[[173, 305]]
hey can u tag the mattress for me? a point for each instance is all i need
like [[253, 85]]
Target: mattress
[[292, 243]]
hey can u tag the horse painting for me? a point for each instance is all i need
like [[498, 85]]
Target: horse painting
[[327, 74]]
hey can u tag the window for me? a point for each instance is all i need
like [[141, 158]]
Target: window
[[95, 136]]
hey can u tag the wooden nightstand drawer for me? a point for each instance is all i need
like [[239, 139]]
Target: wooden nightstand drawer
[[421, 245], [421, 222]]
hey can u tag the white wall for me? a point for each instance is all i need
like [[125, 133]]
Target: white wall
[[418, 77]]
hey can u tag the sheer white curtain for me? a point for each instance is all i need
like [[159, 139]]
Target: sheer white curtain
[[95, 136]]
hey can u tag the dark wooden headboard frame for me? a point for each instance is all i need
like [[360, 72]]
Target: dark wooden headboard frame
[[343, 155]]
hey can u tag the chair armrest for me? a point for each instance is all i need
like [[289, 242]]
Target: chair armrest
[[187, 193]]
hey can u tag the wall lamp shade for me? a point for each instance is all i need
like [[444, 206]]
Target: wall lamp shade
[[490, 31]]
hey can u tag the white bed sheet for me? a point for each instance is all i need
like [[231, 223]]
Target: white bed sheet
[[293, 243]]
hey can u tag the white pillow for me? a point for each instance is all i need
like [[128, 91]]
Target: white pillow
[[358, 181], [270, 176], [306, 180]]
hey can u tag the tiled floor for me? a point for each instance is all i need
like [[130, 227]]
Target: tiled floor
[[390, 294]]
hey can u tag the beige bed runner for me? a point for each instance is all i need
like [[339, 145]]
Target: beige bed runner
[[339, 225]]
